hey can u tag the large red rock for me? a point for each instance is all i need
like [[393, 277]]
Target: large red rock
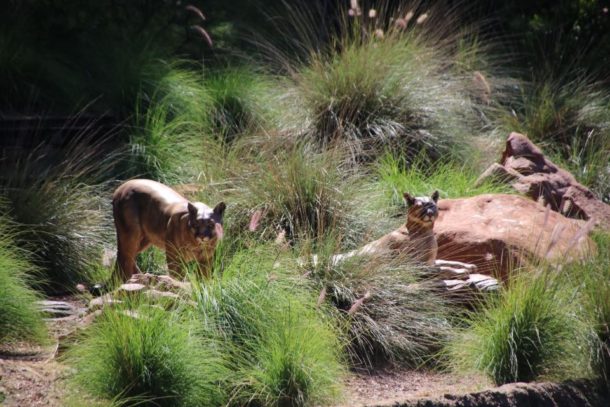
[[499, 231], [525, 167]]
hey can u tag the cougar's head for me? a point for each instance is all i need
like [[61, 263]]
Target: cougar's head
[[422, 209], [206, 223]]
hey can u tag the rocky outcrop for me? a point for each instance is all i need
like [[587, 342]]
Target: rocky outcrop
[[525, 167], [568, 394], [498, 231]]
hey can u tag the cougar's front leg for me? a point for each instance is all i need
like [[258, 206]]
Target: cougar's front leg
[[173, 261], [205, 260]]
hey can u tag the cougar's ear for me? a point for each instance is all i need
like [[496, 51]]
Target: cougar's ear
[[435, 196], [408, 199], [219, 209], [192, 211]]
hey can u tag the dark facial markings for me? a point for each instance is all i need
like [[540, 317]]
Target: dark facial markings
[[424, 209]]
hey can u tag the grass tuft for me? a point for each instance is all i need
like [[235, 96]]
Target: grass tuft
[[375, 85], [591, 276], [392, 312], [283, 350], [527, 332], [142, 355], [63, 221], [450, 179], [20, 320], [238, 98], [301, 192]]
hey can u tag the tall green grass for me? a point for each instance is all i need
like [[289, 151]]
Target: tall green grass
[[303, 192], [139, 354], [20, 320], [375, 85], [402, 318], [60, 218], [591, 276], [451, 179], [530, 330], [240, 102], [282, 350]]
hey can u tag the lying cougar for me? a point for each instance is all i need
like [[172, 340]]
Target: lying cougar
[[149, 213], [415, 238]]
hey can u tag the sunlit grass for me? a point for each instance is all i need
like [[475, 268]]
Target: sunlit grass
[[529, 331], [142, 355], [283, 351], [20, 320], [420, 178]]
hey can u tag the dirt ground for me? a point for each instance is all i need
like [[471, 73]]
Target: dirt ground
[[387, 388], [40, 383]]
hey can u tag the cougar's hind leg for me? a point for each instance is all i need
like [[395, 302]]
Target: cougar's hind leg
[[128, 244]]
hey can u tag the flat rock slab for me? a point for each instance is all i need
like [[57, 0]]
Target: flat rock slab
[[132, 288], [497, 232], [59, 309], [100, 302]]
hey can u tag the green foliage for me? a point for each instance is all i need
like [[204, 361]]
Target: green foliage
[[530, 330], [238, 98], [419, 178], [60, 219], [301, 192], [152, 260], [591, 276], [403, 319], [20, 320], [283, 351], [378, 86], [139, 354], [166, 142]]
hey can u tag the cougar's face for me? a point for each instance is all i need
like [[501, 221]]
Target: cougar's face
[[422, 209], [206, 223]]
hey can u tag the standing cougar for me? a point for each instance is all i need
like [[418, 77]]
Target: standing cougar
[[149, 213]]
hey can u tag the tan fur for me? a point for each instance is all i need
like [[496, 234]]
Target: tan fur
[[149, 213], [415, 238]]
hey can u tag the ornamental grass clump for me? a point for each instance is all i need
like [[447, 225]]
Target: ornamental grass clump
[[591, 276], [391, 311], [301, 192], [60, 217], [239, 102], [20, 319], [529, 331], [282, 350], [139, 355], [377, 84]]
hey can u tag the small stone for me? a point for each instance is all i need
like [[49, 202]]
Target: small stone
[[102, 301], [132, 287]]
